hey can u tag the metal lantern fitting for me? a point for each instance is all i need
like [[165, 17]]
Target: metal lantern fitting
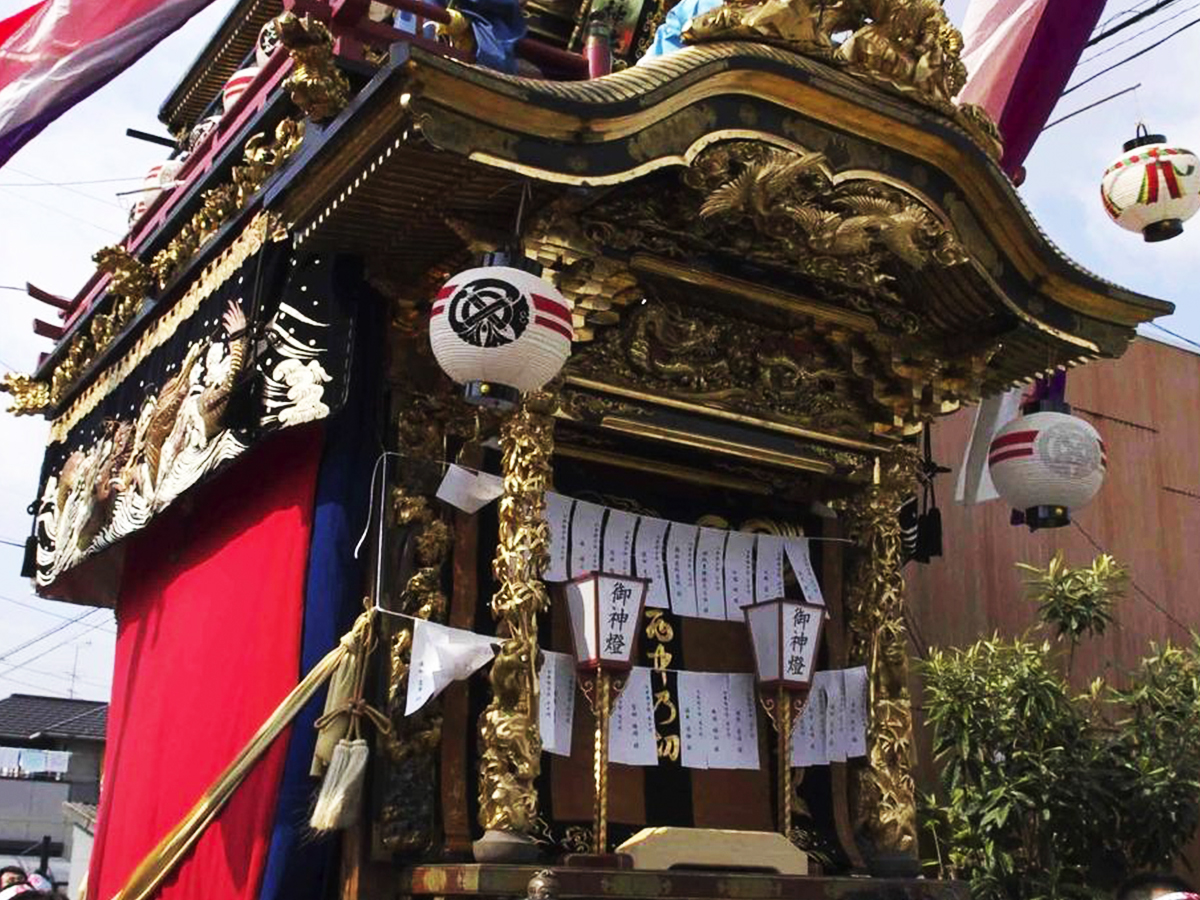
[[1047, 463], [605, 611], [785, 635], [500, 331], [1153, 187]]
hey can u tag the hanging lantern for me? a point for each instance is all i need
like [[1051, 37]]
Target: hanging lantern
[[201, 130], [268, 40], [1153, 187], [500, 331], [237, 85], [1047, 463], [156, 181]]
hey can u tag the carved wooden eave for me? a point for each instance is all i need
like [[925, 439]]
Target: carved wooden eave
[[731, 193], [222, 56]]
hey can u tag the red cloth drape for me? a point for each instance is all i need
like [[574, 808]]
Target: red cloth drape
[[208, 644]]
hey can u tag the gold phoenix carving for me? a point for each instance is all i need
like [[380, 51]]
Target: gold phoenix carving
[[883, 793], [508, 729]]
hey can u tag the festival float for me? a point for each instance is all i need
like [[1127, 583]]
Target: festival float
[[551, 391]]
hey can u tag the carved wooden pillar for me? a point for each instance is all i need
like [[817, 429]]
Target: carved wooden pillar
[[510, 744], [883, 793], [410, 778]]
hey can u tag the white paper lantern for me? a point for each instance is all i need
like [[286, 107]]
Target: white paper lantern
[[1047, 464], [267, 41], [500, 327], [159, 178], [237, 85], [1153, 187], [201, 130]]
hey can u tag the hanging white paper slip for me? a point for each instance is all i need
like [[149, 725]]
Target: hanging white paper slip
[[618, 542], [649, 550], [469, 491], [441, 655], [631, 738], [808, 740], [799, 554], [854, 681], [558, 521], [693, 746], [835, 720], [768, 568], [714, 697], [739, 574], [729, 718], [586, 522], [710, 573], [743, 722], [556, 707], [681, 568]]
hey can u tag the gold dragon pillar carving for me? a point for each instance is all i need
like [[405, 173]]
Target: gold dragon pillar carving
[[510, 743], [883, 792]]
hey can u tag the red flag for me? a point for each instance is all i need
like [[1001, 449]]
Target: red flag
[[56, 53], [1020, 54]]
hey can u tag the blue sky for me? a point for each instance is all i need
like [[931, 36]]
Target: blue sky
[[48, 234]]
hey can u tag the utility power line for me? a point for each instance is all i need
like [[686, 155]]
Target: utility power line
[[21, 665], [1132, 57], [38, 609], [1130, 22], [1134, 37], [46, 634]]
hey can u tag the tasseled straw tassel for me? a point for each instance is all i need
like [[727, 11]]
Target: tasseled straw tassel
[[340, 799]]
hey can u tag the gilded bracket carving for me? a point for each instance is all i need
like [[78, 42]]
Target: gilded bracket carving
[[316, 84]]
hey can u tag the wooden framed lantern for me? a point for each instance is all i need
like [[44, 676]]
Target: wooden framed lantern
[[785, 636], [605, 610]]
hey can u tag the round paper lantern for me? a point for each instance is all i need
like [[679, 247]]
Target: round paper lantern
[[1153, 187], [202, 130], [268, 40], [157, 179], [500, 331], [1047, 464], [237, 84]]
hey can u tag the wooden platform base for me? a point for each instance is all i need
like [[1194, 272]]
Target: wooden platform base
[[575, 884]]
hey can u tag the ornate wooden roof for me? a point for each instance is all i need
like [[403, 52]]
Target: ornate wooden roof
[[728, 203]]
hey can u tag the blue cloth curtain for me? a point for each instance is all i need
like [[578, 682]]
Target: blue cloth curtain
[[299, 866]]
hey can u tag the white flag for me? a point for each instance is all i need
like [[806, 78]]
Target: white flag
[[440, 655], [974, 483]]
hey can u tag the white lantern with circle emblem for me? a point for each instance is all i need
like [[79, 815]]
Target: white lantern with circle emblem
[[267, 41], [1153, 187], [500, 331], [1046, 464]]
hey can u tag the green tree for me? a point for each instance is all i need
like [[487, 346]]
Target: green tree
[[1052, 793]]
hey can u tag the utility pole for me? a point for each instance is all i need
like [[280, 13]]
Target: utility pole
[[74, 667]]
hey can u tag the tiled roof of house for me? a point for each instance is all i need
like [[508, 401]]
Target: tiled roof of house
[[24, 715]]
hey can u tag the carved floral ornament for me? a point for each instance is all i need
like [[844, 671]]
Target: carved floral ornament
[[749, 202], [908, 46]]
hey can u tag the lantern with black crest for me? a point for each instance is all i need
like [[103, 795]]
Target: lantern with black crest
[[500, 330]]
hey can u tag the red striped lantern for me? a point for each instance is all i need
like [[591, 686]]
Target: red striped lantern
[[1153, 187], [237, 85], [1046, 464], [500, 331]]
